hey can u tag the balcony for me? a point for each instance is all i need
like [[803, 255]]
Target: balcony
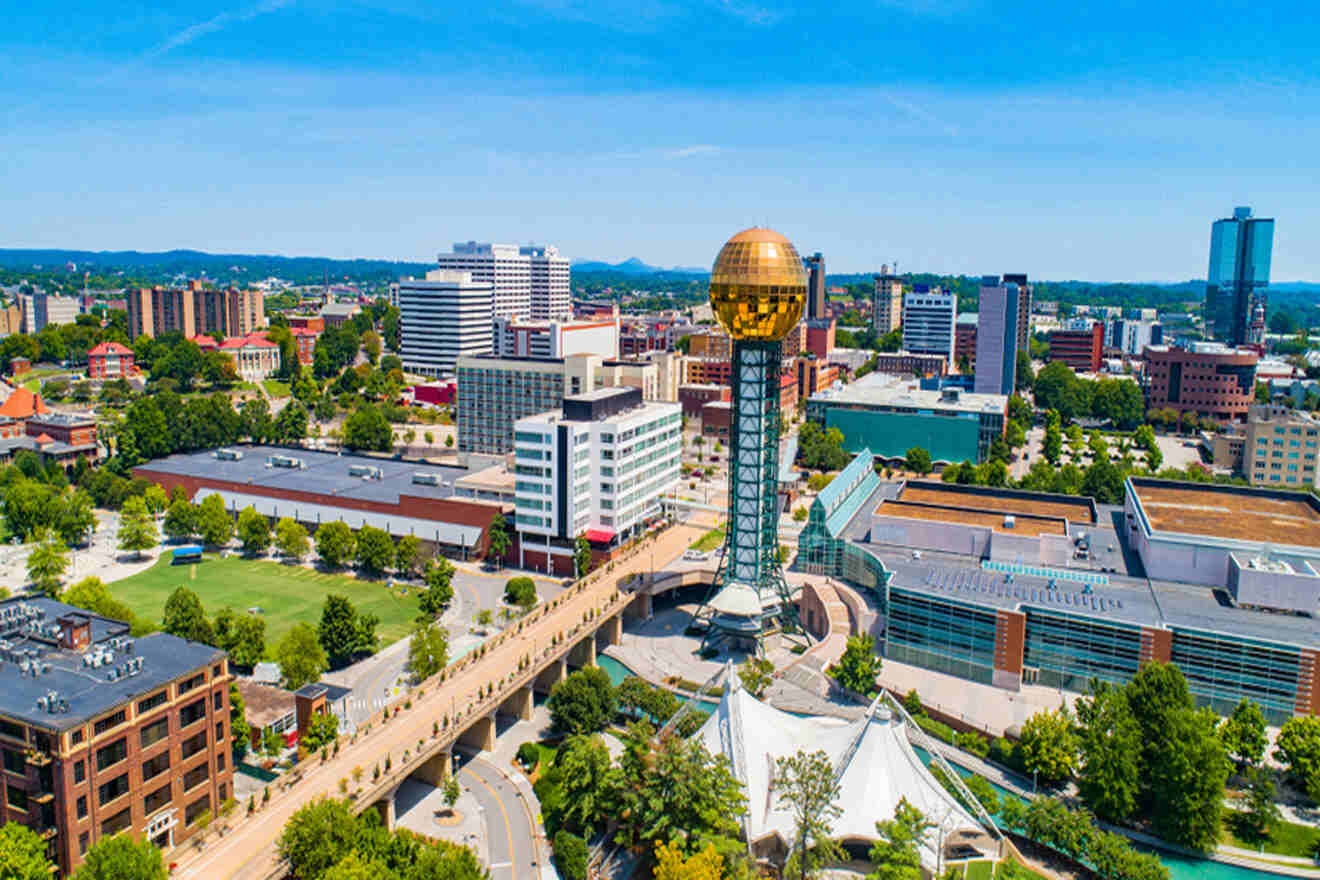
[[37, 758]]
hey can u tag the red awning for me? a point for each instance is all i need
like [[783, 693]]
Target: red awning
[[600, 536]]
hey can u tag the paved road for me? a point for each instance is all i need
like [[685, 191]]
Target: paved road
[[510, 832], [248, 849]]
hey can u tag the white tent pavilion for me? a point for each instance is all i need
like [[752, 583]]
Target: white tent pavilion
[[874, 763]]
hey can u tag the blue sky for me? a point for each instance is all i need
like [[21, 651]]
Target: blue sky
[[1066, 140]]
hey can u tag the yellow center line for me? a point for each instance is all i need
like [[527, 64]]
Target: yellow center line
[[508, 828]]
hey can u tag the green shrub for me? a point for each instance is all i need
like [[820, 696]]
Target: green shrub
[[571, 855], [972, 742], [520, 591], [937, 729], [528, 755]]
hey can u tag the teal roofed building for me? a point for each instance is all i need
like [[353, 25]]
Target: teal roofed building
[[823, 545]]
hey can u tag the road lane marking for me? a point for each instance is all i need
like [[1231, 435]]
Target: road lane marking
[[508, 828]]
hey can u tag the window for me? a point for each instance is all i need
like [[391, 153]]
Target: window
[[155, 731], [9, 728], [82, 844], [77, 736], [82, 806], [217, 701], [151, 702], [116, 787], [108, 722], [117, 823], [17, 797], [156, 766], [157, 799], [79, 771], [223, 792], [14, 762], [220, 731], [217, 670], [196, 808], [192, 712], [192, 745], [193, 683], [108, 756], [220, 760]]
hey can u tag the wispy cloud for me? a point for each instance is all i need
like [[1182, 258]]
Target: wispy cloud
[[694, 150], [212, 25], [751, 13]]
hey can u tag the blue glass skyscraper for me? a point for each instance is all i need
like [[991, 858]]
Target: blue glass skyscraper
[[1240, 250]]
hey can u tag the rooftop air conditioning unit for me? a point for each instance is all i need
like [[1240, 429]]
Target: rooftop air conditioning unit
[[226, 454], [365, 471], [426, 479]]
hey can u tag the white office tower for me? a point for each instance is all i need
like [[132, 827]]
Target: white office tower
[[929, 321], [551, 297], [441, 318], [504, 267]]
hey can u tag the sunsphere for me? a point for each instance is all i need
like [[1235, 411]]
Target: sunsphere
[[758, 286]]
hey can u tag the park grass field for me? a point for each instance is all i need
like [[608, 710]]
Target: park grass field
[[709, 541], [286, 594]]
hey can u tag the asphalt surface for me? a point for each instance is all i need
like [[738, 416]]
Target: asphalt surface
[[509, 824]]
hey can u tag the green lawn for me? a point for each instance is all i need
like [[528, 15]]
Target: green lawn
[[1288, 839], [286, 594], [276, 388], [709, 541]]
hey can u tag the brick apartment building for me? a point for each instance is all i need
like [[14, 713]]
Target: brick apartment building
[[194, 310], [694, 396], [814, 375], [101, 733], [820, 336], [1080, 347], [1209, 379]]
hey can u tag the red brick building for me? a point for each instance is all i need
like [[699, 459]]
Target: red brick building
[[307, 322], [709, 371], [1211, 380], [18, 366], [820, 336], [715, 420], [814, 375], [964, 344], [693, 397], [1079, 348], [305, 339], [110, 360]]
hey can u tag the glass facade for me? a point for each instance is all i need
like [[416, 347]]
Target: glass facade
[[1240, 252], [1069, 650], [1221, 670], [940, 634]]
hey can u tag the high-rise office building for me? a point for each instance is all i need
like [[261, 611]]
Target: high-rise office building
[[442, 318], [551, 298], [41, 309], [1023, 310], [996, 336], [887, 302], [816, 300], [530, 282], [929, 318], [1240, 250]]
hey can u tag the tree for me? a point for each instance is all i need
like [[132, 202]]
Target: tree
[[1025, 376], [341, 631], [1103, 482], [408, 556], [335, 543], [756, 673], [181, 521], [74, 521], [428, 650], [1052, 445], [1298, 749], [253, 531], [47, 562], [119, 857], [375, 550], [570, 855], [451, 792], [821, 449], [301, 657], [499, 540], [1243, 734], [858, 666], [897, 853], [184, 617], [367, 428], [238, 725], [137, 528], [22, 854], [439, 591], [355, 866], [582, 765], [322, 730], [291, 539], [676, 791], [213, 522], [90, 593], [584, 702], [806, 786], [918, 460], [671, 865], [317, 837], [245, 640], [581, 556], [520, 591], [1109, 740], [1262, 815], [1186, 785]]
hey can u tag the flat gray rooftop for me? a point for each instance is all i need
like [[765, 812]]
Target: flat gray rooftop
[[83, 692], [323, 473]]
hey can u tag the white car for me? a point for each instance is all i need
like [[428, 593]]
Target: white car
[[696, 556]]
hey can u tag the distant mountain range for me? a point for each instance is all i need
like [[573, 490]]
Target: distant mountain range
[[634, 266]]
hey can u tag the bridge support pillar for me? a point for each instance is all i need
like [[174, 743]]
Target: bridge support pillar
[[518, 704], [639, 608], [385, 807], [583, 653], [480, 734], [435, 769], [551, 675], [611, 631]]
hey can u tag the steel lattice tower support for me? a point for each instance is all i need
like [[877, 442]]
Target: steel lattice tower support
[[749, 562]]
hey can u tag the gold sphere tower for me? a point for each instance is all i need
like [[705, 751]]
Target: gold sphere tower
[[758, 288]]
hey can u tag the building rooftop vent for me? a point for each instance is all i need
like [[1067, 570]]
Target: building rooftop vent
[[365, 471], [426, 479], [285, 461], [226, 454]]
